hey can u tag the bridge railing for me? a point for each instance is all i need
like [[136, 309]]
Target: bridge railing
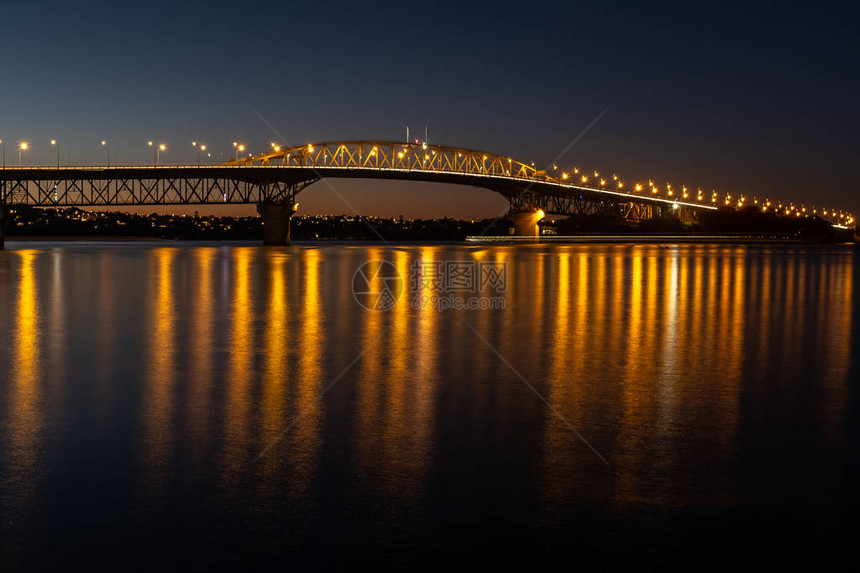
[[421, 157], [53, 185]]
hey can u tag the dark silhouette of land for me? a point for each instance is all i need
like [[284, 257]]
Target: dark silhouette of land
[[25, 221]]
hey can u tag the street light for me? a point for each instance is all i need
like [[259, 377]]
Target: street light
[[200, 148], [239, 148], [161, 147], [107, 145], [3, 143], [54, 143], [23, 146]]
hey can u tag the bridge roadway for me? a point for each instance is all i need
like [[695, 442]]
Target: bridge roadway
[[273, 180]]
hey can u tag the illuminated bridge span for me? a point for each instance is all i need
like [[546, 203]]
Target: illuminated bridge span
[[273, 180]]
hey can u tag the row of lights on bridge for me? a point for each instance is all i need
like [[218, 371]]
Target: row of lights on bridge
[[157, 148], [577, 177], [674, 194], [700, 196]]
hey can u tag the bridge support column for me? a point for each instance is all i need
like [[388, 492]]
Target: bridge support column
[[526, 223], [276, 222]]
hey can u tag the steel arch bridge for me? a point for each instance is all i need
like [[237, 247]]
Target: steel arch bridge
[[273, 180], [525, 186]]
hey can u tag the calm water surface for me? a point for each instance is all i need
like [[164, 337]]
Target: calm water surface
[[186, 406]]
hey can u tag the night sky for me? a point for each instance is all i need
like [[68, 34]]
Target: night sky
[[760, 100]]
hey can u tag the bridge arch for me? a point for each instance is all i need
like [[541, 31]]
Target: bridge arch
[[276, 177]]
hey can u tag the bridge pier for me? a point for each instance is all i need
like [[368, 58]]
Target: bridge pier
[[276, 222], [526, 223]]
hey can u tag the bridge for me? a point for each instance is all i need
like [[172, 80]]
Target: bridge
[[273, 180]]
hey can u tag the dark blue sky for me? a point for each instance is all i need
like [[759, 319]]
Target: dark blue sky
[[757, 99]]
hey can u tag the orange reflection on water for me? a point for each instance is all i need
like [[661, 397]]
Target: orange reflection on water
[[304, 442], [678, 330], [275, 367], [23, 405], [396, 390], [202, 348], [415, 418], [368, 385], [158, 402], [242, 340]]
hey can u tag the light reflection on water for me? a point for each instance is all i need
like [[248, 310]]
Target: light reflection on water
[[156, 376]]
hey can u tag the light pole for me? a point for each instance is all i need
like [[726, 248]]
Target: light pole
[[23, 146], [161, 147], [239, 148], [200, 149], [55, 144], [107, 145], [3, 143]]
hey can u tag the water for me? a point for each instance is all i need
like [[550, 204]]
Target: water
[[180, 406]]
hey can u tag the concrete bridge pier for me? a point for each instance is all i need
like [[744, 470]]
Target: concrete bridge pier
[[526, 223], [276, 222]]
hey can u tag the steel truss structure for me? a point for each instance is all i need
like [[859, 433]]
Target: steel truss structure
[[127, 186], [278, 176]]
